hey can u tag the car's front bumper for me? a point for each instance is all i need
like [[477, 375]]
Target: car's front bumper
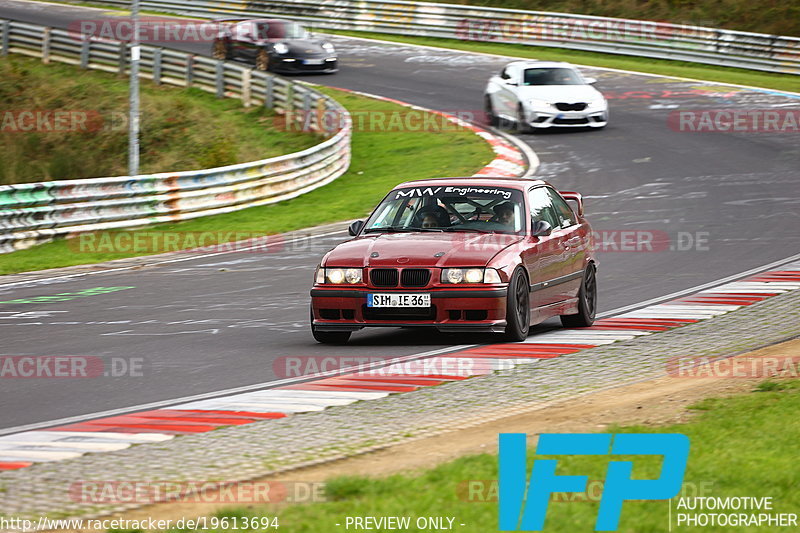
[[296, 65], [469, 309], [552, 118]]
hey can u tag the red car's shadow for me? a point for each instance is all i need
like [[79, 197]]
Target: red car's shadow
[[433, 338]]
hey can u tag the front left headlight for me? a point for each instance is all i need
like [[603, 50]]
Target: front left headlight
[[328, 47], [281, 48], [339, 276], [470, 275]]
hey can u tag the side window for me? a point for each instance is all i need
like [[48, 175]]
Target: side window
[[562, 210], [542, 206]]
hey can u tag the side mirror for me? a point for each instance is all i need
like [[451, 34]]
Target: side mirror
[[355, 227], [541, 228], [590, 81]]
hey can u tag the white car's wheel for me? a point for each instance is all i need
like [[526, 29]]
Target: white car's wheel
[[522, 123]]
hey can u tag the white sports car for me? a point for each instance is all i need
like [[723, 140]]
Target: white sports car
[[544, 94]]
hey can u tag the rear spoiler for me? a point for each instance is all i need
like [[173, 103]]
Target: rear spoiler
[[575, 197]]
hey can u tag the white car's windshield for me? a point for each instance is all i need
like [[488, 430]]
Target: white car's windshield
[[449, 208], [552, 76]]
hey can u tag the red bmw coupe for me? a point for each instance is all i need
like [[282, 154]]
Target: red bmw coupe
[[460, 254]]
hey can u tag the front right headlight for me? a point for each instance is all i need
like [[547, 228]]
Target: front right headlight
[[281, 48], [470, 275]]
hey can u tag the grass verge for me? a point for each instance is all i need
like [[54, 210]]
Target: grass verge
[[381, 159], [181, 129], [740, 446], [662, 67]]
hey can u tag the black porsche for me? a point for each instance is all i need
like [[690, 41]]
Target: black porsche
[[277, 45]]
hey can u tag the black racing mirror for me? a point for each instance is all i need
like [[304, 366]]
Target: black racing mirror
[[541, 228], [355, 227]]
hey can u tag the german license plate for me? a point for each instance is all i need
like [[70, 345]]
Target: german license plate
[[313, 61], [398, 300]]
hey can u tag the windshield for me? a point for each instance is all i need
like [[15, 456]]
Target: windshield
[[280, 30], [449, 208], [552, 76]]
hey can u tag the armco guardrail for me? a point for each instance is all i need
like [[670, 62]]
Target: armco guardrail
[[31, 213], [599, 34]]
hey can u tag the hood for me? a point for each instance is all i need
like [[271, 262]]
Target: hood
[[420, 250], [559, 93]]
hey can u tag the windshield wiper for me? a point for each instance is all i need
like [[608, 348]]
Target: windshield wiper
[[387, 229], [472, 230], [406, 229]]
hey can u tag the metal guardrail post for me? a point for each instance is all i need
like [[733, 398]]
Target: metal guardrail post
[[157, 66], [85, 44], [122, 61], [220, 79], [46, 35], [269, 90], [246, 87], [189, 70], [5, 27], [308, 118]]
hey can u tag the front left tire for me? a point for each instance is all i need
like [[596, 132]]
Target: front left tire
[[328, 337], [518, 307]]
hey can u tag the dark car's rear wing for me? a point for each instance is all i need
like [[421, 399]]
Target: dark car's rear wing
[[575, 197]]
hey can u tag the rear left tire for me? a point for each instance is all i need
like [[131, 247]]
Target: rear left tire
[[587, 301], [263, 61]]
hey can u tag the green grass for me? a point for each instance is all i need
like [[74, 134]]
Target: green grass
[[663, 67], [381, 159], [181, 129], [740, 446]]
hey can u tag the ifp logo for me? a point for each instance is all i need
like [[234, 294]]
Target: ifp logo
[[523, 505]]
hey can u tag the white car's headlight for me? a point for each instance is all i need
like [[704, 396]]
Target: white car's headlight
[[597, 101], [281, 48], [339, 276], [470, 275], [328, 47]]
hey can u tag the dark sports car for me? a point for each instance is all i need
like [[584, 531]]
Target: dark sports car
[[460, 254], [274, 44]]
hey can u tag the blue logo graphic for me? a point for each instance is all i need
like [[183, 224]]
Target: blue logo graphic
[[523, 506]]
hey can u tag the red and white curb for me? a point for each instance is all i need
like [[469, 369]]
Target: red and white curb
[[118, 432], [511, 160]]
